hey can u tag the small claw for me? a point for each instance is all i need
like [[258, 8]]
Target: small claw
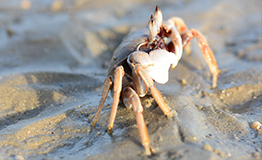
[[175, 38]]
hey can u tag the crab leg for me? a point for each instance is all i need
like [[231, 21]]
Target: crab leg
[[130, 98], [155, 93], [107, 84], [117, 87], [207, 52]]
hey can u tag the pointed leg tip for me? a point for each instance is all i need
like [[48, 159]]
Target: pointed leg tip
[[148, 153], [109, 130], [214, 82], [148, 150], [172, 113], [93, 124]]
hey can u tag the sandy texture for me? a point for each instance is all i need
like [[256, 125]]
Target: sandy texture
[[53, 61]]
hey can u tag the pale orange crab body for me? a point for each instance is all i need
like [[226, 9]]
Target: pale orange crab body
[[144, 57], [135, 46]]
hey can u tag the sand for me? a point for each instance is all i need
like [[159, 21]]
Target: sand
[[53, 61]]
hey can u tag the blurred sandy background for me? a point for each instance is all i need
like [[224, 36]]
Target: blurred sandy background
[[53, 61]]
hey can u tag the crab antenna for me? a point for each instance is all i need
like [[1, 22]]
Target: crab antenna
[[153, 28], [158, 17]]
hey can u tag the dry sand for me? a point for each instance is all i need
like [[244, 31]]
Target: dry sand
[[54, 57]]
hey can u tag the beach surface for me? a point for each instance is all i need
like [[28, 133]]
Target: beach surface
[[54, 56]]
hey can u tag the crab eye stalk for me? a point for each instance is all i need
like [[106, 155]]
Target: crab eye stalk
[[153, 28], [158, 17]]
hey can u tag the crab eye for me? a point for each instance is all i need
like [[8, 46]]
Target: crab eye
[[153, 28], [158, 17]]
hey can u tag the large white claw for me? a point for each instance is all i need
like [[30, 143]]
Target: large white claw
[[156, 63], [162, 60]]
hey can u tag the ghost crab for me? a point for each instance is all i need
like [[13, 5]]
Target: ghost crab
[[143, 57]]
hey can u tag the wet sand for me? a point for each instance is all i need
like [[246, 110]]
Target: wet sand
[[53, 61]]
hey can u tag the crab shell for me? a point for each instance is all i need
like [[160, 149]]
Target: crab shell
[[128, 46]]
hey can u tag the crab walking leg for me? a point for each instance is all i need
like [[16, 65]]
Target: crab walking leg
[[107, 84], [207, 52], [117, 87], [130, 98], [155, 93]]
